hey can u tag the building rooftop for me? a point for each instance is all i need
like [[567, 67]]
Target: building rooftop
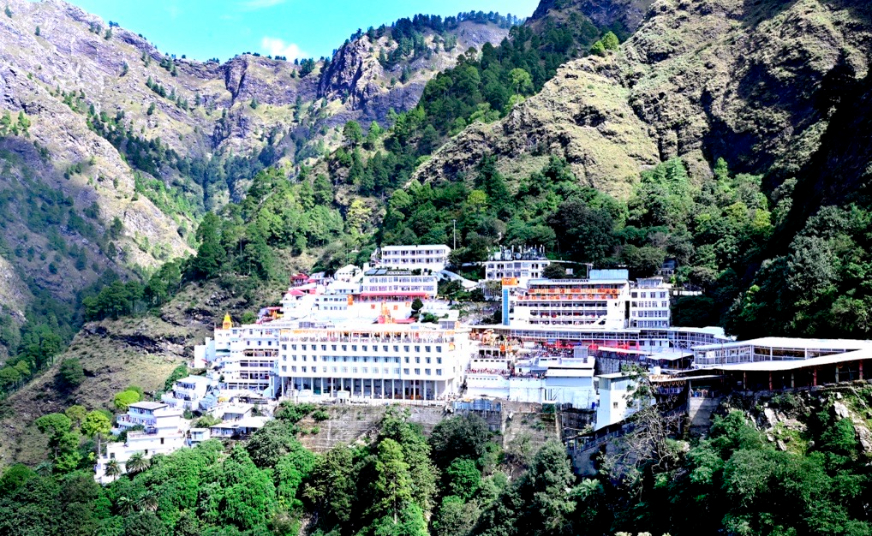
[[616, 274], [614, 375], [577, 281], [194, 379], [792, 343], [776, 366], [148, 405], [417, 247]]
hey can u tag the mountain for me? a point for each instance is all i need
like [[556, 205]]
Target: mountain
[[126, 147], [696, 80]]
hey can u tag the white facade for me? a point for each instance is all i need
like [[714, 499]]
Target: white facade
[[385, 362], [164, 432], [602, 303], [347, 273], [649, 305], [383, 283], [773, 350], [613, 404], [197, 436], [188, 392], [558, 380], [522, 270], [427, 257], [242, 358]]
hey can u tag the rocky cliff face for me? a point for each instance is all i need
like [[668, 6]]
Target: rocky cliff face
[[700, 80], [370, 89]]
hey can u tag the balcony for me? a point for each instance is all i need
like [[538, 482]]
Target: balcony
[[128, 421]]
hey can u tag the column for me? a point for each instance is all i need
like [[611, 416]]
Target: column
[[770, 380], [814, 377], [861, 369], [791, 381], [837, 373]]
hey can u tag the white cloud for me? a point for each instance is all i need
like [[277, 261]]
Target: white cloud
[[261, 4], [277, 47]]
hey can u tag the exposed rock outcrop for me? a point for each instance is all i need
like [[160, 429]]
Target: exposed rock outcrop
[[700, 80]]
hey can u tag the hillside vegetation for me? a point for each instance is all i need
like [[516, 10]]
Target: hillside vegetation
[[111, 152], [801, 470]]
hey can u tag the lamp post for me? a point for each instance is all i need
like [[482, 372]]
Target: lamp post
[[454, 227]]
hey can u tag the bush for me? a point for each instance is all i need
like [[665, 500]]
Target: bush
[[70, 374], [125, 398], [320, 415]]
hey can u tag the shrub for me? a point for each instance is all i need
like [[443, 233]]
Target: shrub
[[70, 374]]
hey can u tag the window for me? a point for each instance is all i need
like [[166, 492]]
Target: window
[[405, 371], [614, 405], [438, 360], [439, 372], [427, 372], [417, 371]]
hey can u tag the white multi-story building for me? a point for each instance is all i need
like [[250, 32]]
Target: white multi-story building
[[432, 257], [602, 300], [547, 377], [381, 283], [242, 358], [649, 305], [163, 432], [188, 392], [523, 265], [386, 362]]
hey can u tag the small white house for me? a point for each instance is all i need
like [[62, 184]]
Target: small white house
[[613, 404], [198, 435], [347, 273], [163, 432]]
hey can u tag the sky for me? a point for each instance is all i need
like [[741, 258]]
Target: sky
[[204, 29]]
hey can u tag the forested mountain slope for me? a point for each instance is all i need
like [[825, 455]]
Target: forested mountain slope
[[697, 80], [111, 151]]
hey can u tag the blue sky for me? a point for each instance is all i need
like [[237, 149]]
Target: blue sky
[[204, 29]]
